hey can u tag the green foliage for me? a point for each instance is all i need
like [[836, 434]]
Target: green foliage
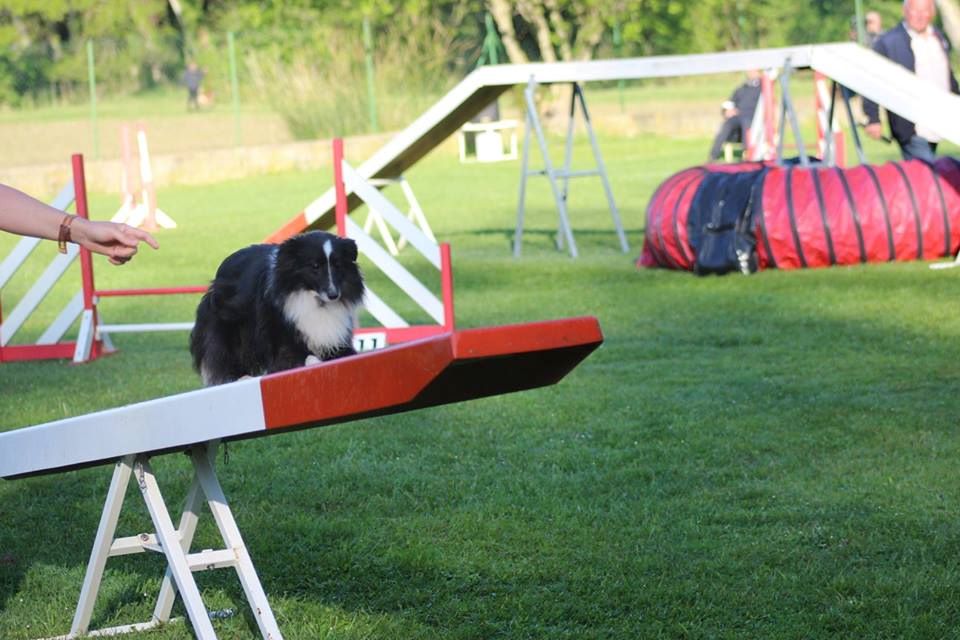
[[141, 44], [317, 79]]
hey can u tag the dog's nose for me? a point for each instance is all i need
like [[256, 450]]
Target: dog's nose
[[333, 294]]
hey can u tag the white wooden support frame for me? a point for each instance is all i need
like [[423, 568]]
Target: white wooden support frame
[[553, 175], [47, 280], [174, 545], [419, 238], [414, 214]]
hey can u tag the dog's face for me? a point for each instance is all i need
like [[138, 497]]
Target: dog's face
[[323, 264]]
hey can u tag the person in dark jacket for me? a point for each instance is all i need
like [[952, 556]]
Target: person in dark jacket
[[918, 46], [738, 114], [192, 78]]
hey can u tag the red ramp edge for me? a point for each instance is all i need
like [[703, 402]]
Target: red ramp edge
[[453, 367]]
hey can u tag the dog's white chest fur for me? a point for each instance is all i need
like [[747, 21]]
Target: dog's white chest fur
[[325, 328]]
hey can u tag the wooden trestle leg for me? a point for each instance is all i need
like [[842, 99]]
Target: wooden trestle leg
[[174, 544]]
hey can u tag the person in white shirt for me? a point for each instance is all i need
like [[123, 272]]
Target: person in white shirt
[[921, 48]]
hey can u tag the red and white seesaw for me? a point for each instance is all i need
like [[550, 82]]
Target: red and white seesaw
[[453, 367]]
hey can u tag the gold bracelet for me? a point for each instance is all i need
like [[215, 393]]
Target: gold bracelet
[[64, 236]]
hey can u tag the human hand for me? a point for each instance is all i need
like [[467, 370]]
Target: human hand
[[119, 242], [874, 130]]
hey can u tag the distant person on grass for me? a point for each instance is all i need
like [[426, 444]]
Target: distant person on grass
[[738, 114], [918, 46], [27, 216], [193, 78]]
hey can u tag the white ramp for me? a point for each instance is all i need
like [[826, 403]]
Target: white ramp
[[863, 71], [485, 84], [891, 86]]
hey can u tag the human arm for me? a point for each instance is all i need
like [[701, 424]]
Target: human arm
[[25, 215]]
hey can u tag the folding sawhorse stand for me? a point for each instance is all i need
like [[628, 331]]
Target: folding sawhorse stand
[[565, 234], [174, 544]]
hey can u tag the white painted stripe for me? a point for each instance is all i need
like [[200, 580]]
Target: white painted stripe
[[381, 311], [37, 293], [23, 248], [378, 203], [166, 423], [59, 327], [396, 272]]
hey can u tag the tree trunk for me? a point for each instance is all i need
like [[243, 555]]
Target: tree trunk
[[502, 14], [950, 14], [533, 13], [561, 28]]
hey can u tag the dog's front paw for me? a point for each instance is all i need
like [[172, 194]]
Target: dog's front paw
[[311, 359]]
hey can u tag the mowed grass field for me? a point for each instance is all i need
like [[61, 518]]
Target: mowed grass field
[[771, 456]]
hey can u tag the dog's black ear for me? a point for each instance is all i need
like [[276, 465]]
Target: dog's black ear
[[349, 249]]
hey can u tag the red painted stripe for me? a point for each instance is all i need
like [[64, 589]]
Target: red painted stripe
[[340, 208], [21, 353], [80, 201], [446, 286], [525, 338], [354, 386], [295, 225]]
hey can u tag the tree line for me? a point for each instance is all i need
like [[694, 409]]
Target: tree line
[[142, 44]]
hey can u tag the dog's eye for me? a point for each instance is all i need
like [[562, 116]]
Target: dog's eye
[[316, 264]]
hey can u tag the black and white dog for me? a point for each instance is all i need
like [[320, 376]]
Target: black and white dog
[[275, 307]]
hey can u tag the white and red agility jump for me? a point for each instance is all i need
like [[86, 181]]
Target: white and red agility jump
[[93, 337]]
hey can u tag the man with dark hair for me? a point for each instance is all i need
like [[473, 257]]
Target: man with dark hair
[[918, 46], [738, 114]]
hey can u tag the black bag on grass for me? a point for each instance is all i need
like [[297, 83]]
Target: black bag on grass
[[720, 224]]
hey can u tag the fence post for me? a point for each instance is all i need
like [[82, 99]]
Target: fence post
[[371, 90], [618, 52], [234, 87], [861, 28], [92, 78]]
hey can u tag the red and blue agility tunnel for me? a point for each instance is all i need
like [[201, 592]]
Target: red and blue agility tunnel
[[751, 216]]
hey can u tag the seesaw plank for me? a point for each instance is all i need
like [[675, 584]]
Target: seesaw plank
[[452, 367]]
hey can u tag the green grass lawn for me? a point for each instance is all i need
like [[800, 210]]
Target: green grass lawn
[[769, 456]]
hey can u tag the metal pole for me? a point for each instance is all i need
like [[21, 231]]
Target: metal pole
[[491, 43], [789, 110], [861, 29], [853, 125], [92, 77], [234, 87], [618, 51], [371, 90]]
